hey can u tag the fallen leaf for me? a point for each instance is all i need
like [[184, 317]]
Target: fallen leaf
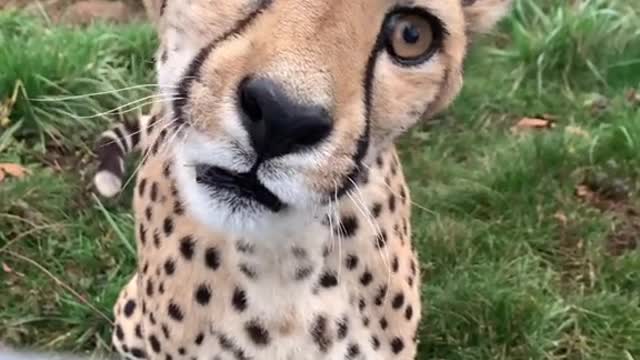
[[528, 123], [15, 170], [6, 268]]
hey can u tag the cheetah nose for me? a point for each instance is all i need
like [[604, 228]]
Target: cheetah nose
[[276, 124]]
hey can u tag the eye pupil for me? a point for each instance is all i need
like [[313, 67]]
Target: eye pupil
[[410, 34]]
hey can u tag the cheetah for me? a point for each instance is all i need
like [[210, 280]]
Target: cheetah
[[271, 211]]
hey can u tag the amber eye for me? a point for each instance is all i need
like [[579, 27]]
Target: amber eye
[[411, 37]]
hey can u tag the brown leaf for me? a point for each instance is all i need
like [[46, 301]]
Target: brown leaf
[[528, 123], [15, 170]]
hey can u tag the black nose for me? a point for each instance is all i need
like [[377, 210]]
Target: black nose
[[277, 125]]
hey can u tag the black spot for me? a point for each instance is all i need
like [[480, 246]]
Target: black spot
[[257, 333], [225, 342], [154, 191], [343, 327], [299, 253], [405, 226], [119, 332], [352, 351], [168, 357], [320, 333], [203, 294], [169, 267], [351, 262], [186, 247], [145, 268], [328, 279], [142, 235], [379, 161], [178, 209], [155, 344], [138, 353], [303, 273], [348, 226], [141, 186], [138, 331], [244, 247], [365, 321], [149, 287], [165, 331], [408, 312], [239, 300], [375, 343], [403, 195], [381, 239], [366, 278], [175, 312], [148, 213], [125, 348], [362, 304], [173, 189], [182, 351], [382, 292], [199, 339], [413, 267], [376, 209], [129, 308], [168, 226], [398, 301], [326, 251], [397, 345], [212, 258], [392, 203], [247, 271], [166, 170], [410, 281], [395, 265], [156, 238], [164, 55], [152, 318], [384, 323]]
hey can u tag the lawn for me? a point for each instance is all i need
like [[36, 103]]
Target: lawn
[[529, 237]]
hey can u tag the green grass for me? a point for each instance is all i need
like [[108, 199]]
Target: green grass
[[516, 265]]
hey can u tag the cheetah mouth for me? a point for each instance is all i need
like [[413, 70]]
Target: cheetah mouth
[[243, 186]]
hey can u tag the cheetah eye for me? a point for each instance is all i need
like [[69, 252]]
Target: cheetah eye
[[412, 37]]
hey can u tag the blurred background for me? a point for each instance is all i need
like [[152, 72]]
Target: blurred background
[[526, 212]]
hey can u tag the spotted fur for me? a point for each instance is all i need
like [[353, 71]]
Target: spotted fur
[[272, 213]]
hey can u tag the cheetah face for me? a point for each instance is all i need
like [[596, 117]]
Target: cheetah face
[[283, 103]]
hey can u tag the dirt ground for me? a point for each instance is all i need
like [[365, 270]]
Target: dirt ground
[[80, 12]]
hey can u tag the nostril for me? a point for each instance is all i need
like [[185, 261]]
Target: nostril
[[249, 101], [312, 130]]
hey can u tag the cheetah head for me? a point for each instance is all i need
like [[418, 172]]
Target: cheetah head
[[283, 103]]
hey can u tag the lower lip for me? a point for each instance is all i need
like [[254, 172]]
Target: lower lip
[[245, 185]]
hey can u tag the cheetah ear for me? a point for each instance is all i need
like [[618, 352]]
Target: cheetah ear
[[482, 15]]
